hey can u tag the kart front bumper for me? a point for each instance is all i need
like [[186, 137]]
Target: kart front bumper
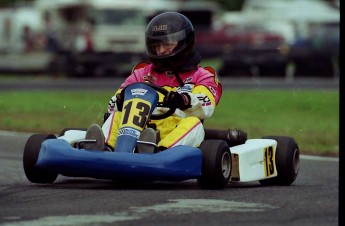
[[175, 164]]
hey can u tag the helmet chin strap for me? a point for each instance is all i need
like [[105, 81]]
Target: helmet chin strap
[[178, 78], [191, 65]]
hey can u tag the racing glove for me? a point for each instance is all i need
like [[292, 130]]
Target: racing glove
[[178, 100]]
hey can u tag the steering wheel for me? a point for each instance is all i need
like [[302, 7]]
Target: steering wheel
[[164, 92]]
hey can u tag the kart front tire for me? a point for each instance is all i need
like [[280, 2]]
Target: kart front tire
[[216, 164], [287, 161], [31, 151]]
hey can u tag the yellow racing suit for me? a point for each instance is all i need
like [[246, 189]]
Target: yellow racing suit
[[183, 127]]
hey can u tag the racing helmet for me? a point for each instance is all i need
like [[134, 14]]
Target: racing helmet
[[166, 28]]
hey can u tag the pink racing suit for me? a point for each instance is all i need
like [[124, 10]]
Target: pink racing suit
[[183, 127]]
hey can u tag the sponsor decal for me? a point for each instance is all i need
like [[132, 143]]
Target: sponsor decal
[[162, 27], [206, 104], [205, 100], [139, 91], [169, 73], [129, 132], [188, 80], [186, 88], [213, 91], [149, 77]]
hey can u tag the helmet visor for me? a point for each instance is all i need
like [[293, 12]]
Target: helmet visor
[[172, 43]]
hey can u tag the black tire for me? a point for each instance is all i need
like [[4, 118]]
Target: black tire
[[287, 161], [30, 156], [216, 164]]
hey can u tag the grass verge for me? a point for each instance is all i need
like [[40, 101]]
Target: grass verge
[[311, 117]]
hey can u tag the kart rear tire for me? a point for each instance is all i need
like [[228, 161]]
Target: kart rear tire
[[216, 164], [31, 151], [287, 161]]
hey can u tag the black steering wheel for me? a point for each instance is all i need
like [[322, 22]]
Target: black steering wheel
[[164, 92]]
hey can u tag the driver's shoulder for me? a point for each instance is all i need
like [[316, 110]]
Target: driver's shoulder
[[208, 70], [205, 72], [141, 66]]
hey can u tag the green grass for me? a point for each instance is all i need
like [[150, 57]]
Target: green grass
[[311, 117]]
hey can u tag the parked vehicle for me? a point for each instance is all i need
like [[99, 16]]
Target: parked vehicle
[[21, 42], [253, 50], [311, 28], [96, 38], [318, 55], [106, 37]]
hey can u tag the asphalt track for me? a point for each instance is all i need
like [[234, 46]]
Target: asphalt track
[[311, 201]]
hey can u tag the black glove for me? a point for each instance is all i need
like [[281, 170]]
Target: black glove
[[119, 101], [178, 100]]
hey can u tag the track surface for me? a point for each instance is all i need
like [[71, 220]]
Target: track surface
[[311, 200]]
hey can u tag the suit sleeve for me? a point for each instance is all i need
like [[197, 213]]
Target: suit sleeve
[[205, 96]]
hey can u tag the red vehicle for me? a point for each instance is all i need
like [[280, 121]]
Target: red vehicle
[[246, 50]]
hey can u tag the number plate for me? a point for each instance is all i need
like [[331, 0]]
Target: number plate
[[135, 113]]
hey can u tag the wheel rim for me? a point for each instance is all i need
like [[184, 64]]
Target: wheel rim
[[296, 161], [226, 164]]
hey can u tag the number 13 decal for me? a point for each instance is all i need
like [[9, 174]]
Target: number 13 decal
[[135, 113], [269, 161]]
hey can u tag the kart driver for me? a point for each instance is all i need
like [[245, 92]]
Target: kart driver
[[194, 90]]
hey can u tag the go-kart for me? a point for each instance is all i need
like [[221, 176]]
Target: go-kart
[[272, 160]]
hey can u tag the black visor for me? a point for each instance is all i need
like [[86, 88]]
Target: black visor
[[166, 39]]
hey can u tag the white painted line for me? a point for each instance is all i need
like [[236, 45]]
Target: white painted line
[[188, 206], [71, 220], [13, 133], [319, 158], [171, 207]]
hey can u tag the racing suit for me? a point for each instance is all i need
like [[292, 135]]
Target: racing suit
[[183, 127]]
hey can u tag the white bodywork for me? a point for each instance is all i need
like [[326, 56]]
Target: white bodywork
[[254, 160], [73, 136]]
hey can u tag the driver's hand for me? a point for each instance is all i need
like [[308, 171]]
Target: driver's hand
[[178, 100], [119, 101]]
